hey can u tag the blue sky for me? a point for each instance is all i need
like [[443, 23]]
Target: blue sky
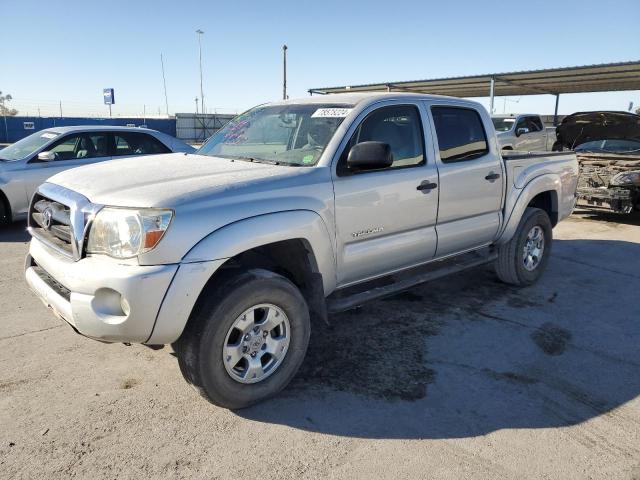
[[70, 50]]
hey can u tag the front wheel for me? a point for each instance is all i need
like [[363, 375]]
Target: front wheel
[[522, 260], [4, 214], [246, 339]]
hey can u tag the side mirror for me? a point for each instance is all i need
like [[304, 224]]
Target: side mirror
[[46, 156], [521, 130], [370, 156]]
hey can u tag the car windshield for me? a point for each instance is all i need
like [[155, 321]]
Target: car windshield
[[611, 146], [295, 134], [503, 124], [27, 146]]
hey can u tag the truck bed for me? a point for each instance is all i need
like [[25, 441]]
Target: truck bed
[[509, 155]]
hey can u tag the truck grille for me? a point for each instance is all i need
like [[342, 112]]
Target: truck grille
[[55, 285], [597, 169], [594, 176], [50, 221]]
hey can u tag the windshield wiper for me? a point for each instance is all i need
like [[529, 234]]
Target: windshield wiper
[[255, 160]]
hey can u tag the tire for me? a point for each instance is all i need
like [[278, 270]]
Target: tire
[[213, 323], [4, 213], [510, 265]]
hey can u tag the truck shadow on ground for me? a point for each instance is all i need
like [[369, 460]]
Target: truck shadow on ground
[[14, 232], [468, 355], [591, 214]]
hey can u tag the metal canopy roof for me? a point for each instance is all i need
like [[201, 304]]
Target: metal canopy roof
[[554, 81]]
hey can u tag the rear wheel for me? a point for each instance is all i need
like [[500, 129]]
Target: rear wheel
[[522, 260], [246, 339], [4, 213]]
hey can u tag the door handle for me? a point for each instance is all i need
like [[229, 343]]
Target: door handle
[[426, 186], [492, 176]]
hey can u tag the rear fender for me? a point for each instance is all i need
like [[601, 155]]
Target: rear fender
[[518, 199]]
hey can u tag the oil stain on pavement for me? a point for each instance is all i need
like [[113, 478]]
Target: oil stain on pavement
[[551, 339]]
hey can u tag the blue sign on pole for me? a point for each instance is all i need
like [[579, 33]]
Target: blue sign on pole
[[109, 96]]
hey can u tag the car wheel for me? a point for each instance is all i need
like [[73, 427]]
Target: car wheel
[[523, 259], [246, 339], [4, 213]]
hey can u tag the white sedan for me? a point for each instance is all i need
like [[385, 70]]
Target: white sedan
[[29, 162]]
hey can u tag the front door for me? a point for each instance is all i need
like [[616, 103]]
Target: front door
[[532, 138], [383, 221], [71, 151], [471, 179]]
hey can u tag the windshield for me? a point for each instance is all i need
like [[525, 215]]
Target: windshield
[[503, 124], [279, 134], [27, 146], [611, 146]]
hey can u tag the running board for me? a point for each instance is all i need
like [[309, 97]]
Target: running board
[[354, 296]]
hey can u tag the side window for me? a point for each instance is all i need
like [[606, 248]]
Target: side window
[[400, 127], [536, 124], [460, 132], [76, 147], [65, 149], [137, 144], [522, 123]]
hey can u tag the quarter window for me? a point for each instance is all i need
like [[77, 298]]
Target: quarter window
[[461, 135], [400, 127]]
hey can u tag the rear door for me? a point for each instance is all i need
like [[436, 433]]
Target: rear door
[[471, 178], [384, 222], [73, 150]]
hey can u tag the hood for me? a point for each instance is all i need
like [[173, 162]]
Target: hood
[[164, 180], [583, 127]]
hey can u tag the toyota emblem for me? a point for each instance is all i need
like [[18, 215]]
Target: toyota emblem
[[47, 216]]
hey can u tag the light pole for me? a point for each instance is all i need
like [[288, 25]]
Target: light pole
[[200, 33], [164, 81], [284, 72]]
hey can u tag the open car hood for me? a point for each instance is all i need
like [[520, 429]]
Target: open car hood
[[583, 127]]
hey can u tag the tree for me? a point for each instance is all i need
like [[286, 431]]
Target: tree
[[5, 111]]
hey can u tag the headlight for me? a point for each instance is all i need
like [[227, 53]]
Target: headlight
[[625, 178], [126, 233]]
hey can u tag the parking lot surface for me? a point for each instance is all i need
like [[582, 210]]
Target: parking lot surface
[[457, 378]]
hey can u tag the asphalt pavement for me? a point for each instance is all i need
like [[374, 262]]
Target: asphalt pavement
[[462, 377]]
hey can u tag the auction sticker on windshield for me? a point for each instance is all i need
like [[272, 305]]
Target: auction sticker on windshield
[[49, 135], [331, 112]]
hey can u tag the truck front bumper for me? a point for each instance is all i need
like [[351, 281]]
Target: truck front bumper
[[618, 199], [99, 297]]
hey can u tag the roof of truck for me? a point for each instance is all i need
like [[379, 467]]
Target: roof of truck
[[358, 97]]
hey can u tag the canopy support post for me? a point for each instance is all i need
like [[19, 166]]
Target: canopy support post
[[491, 95], [555, 112]]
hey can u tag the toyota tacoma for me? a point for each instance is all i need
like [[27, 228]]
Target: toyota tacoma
[[291, 212]]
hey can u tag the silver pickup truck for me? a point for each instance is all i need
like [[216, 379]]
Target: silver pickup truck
[[286, 215], [524, 132]]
